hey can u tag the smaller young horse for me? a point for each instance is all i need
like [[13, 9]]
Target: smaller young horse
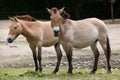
[[37, 34], [80, 34]]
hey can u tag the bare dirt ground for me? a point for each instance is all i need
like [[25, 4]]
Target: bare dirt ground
[[18, 54]]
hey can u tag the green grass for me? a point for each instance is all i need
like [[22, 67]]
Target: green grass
[[30, 74]]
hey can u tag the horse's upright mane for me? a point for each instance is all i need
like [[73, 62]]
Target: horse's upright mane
[[54, 9], [64, 14], [26, 17]]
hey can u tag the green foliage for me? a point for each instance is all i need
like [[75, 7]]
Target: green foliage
[[78, 9], [111, 1], [30, 74]]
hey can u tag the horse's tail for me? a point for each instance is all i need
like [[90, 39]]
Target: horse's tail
[[108, 47]]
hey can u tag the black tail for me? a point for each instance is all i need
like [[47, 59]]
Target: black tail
[[108, 47], [108, 55]]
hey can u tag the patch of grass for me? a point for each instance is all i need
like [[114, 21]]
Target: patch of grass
[[30, 74], [116, 51]]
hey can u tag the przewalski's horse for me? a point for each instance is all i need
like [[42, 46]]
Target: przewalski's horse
[[80, 34], [38, 34]]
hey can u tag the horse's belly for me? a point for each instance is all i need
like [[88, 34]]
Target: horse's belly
[[83, 42], [48, 43], [85, 39], [80, 44]]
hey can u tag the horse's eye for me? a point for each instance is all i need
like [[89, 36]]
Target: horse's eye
[[15, 27]]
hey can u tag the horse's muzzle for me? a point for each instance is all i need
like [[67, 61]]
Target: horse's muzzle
[[56, 33], [9, 40]]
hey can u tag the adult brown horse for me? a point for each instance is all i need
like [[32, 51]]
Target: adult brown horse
[[80, 34], [37, 34]]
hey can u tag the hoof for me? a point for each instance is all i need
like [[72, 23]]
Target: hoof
[[79, 73], [92, 72], [109, 72], [36, 69], [69, 73], [54, 73], [40, 69]]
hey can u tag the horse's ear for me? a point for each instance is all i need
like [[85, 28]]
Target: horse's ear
[[11, 18], [16, 19], [61, 10], [49, 10]]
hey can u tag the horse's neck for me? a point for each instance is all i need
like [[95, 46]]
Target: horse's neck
[[63, 31], [64, 27], [31, 29], [26, 29]]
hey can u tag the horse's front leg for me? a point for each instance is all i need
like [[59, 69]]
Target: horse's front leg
[[69, 50], [59, 56], [39, 57], [33, 48]]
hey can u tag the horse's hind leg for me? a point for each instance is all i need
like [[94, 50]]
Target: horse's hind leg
[[106, 47], [59, 56], [39, 57], [96, 56]]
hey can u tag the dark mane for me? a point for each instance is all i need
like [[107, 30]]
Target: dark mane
[[26, 17], [54, 9], [65, 15]]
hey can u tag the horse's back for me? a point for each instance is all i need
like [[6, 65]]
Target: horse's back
[[99, 24], [94, 23]]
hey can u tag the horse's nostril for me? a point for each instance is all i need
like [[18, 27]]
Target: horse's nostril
[[56, 32], [8, 39]]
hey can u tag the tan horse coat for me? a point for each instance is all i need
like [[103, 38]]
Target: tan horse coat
[[80, 34], [83, 33], [41, 29], [38, 34]]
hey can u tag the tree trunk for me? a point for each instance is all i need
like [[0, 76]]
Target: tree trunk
[[77, 13], [112, 13]]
